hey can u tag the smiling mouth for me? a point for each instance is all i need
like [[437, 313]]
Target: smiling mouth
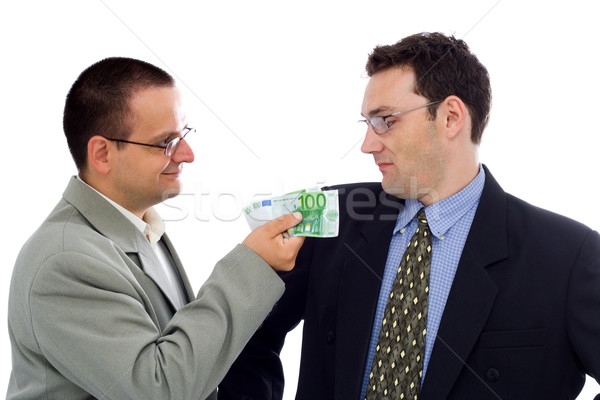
[[173, 172], [383, 165]]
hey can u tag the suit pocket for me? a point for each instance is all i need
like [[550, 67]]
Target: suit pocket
[[504, 365], [513, 338]]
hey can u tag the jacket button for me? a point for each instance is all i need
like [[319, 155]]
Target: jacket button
[[492, 375], [330, 337]]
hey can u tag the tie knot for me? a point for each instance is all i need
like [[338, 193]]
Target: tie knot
[[422, 219]]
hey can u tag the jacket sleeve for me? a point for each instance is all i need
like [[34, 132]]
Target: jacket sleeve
[[258, 372], [583, 303], [91, 322]]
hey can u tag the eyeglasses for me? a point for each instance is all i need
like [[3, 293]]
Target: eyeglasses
[[170, 147], [379, 123]]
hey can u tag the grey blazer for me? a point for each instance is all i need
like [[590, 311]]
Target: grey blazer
[[85, 321]]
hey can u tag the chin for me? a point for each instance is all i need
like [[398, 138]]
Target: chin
[[395, 189], [170, 193]]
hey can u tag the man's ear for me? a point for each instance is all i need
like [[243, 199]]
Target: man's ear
[[455, 116], [98, 151]]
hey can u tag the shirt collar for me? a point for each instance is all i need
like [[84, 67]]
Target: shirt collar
[[444, 214], [152, 225]]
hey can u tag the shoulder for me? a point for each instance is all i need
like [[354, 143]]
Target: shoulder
[[547, 236], [524, 220], [64, 239], [64, 229], [522, 213]]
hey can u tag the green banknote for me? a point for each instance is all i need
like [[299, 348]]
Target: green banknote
[[320, 212]]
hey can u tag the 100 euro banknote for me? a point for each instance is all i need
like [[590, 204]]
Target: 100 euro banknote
[[320, 212]]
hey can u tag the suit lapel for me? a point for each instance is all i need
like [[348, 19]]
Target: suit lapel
[[360, 282], [107, 220], [179, 268], [153, 268], [472, 294], [161, 311]]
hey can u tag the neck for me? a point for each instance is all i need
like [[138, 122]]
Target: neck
[[457, 176], [106, 190]]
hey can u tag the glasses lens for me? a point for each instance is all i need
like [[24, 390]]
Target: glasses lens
[[379, 125], [172, 147]]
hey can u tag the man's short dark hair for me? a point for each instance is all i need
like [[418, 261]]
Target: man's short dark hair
[[443, 66], [98, 102]]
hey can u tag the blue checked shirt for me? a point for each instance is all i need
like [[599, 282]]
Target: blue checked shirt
[[449, 220]]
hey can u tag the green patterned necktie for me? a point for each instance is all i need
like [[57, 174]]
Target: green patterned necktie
[[398, 362]]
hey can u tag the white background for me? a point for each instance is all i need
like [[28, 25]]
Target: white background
[[274, 89]]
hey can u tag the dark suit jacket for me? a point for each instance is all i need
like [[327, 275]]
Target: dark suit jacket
[[522, 320]]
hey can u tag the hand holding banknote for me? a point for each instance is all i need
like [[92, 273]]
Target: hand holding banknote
[[320, 212], [268, 242]]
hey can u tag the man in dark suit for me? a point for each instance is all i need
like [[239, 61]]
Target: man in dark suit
[[505, 301]]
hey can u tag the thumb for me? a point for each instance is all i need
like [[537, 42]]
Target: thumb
[[283, 223]]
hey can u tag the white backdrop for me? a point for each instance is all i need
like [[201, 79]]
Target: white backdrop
[[274, 89]]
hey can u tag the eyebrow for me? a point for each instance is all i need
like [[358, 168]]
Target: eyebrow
[[379, 110], [165, 135]]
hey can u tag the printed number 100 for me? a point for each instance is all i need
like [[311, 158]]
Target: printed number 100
[[311, 202]]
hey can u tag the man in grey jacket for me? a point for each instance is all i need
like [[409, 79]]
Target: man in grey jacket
[[100, 306]]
